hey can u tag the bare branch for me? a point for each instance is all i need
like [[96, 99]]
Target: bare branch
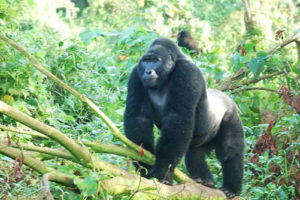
[[227, 84], [254, 88], [293, 38], [245, 83]]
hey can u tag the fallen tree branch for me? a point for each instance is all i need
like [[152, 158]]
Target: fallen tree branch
[[156, 190], [100, 147], [61, 153], [46, 187], [120, 185], [79, 152], [19, 130]]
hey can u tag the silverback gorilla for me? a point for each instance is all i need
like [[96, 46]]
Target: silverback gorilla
[[168, 90]]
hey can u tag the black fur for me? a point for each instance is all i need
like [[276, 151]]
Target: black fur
[[168, 90], [185, 39]]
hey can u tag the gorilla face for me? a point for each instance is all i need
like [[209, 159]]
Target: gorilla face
[[155, 67]]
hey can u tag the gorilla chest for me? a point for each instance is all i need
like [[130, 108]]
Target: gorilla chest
[[158, 99]]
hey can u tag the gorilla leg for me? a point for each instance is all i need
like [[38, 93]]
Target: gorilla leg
[[230, 151], [197, 167]]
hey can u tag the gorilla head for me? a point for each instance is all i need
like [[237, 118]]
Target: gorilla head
[[158, 62]]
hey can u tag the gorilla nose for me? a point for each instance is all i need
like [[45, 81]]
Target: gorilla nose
[[149, 71]]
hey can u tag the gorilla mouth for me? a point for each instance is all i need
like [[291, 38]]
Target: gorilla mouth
[[150, 82]]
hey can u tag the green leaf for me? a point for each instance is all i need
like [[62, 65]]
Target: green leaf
[[261, 54], [244, 59], [88, 185], [249, 47], [32, 102], [87, 36], [256, 66], [60, 43], [236, 61]]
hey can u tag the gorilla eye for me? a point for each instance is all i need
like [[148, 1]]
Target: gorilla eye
[[156, 59], [152, 59]]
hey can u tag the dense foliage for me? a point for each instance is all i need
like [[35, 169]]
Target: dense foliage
[[94, 51]]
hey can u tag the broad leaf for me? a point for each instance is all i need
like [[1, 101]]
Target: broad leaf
[[256, 66]]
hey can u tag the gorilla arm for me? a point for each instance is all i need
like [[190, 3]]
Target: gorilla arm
[[138, 119]]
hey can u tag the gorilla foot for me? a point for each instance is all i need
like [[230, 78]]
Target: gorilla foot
[[163, 177], [208, 183], [229, 194], [166, 182]]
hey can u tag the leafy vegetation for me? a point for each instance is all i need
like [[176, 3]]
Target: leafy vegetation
[[94, 52]]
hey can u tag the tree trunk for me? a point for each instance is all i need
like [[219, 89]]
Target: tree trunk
[[248, 17]]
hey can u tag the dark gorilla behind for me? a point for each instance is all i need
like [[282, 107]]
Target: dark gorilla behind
[[185, 39], [168, 90]]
